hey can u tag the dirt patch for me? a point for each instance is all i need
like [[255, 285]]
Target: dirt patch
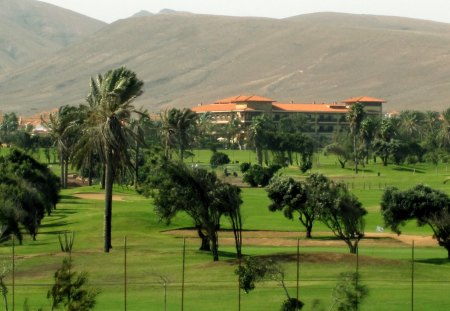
[[97, 196], [288, 239]]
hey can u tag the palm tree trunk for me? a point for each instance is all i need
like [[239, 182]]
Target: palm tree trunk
[[103, 177], [354, 152], [61, 163], [108, 202], [136, 167], [66, 171]]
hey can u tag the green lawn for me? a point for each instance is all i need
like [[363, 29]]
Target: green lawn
[[153, 253]]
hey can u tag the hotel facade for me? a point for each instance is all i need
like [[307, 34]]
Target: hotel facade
[[322, 120]]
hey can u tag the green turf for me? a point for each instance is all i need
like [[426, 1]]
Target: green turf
[[152, 253]]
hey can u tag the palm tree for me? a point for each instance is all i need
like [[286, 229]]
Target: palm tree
[[178, 127], [58, 126], [411, 124], [108, 112], [355, 116], [445, 129], [138, 125], [368, 131], [257, 135]]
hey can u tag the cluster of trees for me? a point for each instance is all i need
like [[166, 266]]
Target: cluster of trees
[[201, 195], [410, 136], [319, 198], [28, 191], [11, 134]]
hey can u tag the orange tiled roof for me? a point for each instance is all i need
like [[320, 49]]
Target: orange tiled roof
[[363, 99], [215, 108], [310, 107], [332, 108], [244, 98]]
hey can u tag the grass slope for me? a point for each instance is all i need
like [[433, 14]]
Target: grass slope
[[153, 253]]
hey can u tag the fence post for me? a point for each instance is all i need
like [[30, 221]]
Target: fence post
[[182, 276], [125, 272], [239, 287], [298, 272], [412, 276], [13, 270]]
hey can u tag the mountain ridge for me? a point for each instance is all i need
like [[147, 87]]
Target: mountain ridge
[[188, 59]]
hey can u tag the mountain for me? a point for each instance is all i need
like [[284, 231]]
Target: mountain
[[188, 59], [142, 13], [31, 30]]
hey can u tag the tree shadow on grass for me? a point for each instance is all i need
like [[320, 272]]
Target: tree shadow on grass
[[408, 169], [56, 224], [434, 261], [226, 255], [70, 199], [53, 232]]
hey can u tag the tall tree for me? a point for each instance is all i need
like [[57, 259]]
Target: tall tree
[[256, 133], [108, 112], [355, 116], [369, 128]]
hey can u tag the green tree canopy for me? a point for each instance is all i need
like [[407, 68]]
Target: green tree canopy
[[202, 196], [428, 206]]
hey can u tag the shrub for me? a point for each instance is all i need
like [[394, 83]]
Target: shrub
[[260, 176], [245, 166], [219, 158]]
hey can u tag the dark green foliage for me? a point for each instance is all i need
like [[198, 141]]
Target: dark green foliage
[[428, 206], [29, 190], [342, 151], [218, 159], [343, 214], [291, 304], [349, 292], [245, 166], [260, 176], [176, 187], [71, 290], [254, 269]]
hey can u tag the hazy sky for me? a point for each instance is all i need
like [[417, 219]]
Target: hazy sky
[[111, 10]]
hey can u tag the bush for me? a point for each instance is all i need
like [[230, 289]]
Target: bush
[[219, 158], [245, 166], [291, 304], [260, 176]]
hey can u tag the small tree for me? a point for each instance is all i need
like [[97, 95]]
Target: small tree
[[343, 214], [255, 270], [348, 293], [218, 159], [257, 175], [71, 290], [289, 196]]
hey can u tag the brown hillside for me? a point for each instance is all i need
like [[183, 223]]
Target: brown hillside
[[186, 59], [31, 30]]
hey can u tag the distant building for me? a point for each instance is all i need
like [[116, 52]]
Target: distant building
[[322, 119]]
